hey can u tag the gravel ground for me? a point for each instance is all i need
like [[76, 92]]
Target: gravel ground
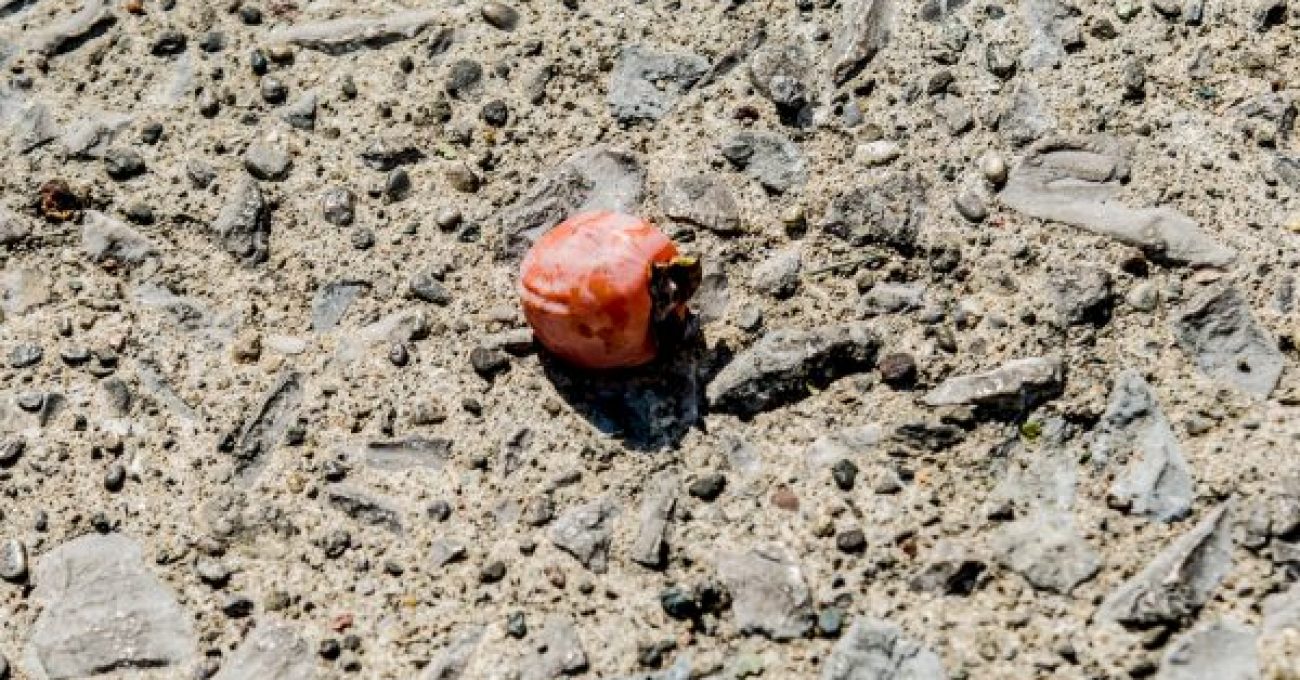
[[995, 378]]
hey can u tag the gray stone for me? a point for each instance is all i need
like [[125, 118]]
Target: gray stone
[[1047, 551], [104, 238], [864, 28], [1044, 23], [13, 228], [646, 83], [784, 365], [873, 649], [1282, 611], [348, 34], [389, 151], [558, 651], [365, 507], [406, 454], [1223, 650], [1017, 384], [70, 32], [1076, 182], [244, 224], [780, 72], [778, 275], [702, 200], [89, 138], [452, 660], [889, 213], [776, 162], [1156, 481], [1082, 295], [267, 162], [892, 298], [649, 547], [265, 427], [1026, 117], [596, 178], [102, 610], [585, 532], [768, 593], [1217, 329], [301, 113], [271, 650], [332, 302], [33, 128], [13, 560], [1179, 580], [338, 206]]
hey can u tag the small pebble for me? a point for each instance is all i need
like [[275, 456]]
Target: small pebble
[[13, 560], [500, 15], [708, 487]]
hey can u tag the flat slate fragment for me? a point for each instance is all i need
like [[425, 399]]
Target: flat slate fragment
[[348, 34], [265, 427], [1020, 383], [864, 29], [71, 32], [645, 82], [104, 611], [1076, 181], [1217, 329], [773, 159], [768, 591], [784, 365], [271, 650], [1223, 650], [1179, 580], [364, 507], [407, 454], [1156, 481], [585, 532], [1048, 552], [873, 649], [104, 238]]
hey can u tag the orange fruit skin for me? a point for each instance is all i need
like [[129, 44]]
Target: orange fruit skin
[[585, 288]]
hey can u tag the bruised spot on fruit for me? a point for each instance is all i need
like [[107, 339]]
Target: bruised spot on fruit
[[598, 288]]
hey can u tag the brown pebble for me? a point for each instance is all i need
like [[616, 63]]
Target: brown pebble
[[785, 499]]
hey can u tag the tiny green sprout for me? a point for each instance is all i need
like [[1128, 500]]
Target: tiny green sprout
[[1031, 430]]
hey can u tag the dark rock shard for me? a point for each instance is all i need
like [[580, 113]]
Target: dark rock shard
[[1223, 650], [702, 200], [104, 611], [265, 427], [1179, 580], [1217, 329], [649, 547], [596, 178], [785, 365], [865, 28], [873, 649], [244, 224], [1076, 182], [889, 213], [646, 83], [1019, 384], [1157, 481], [776, 162], [348, 34], [768, 592], [407, 454], [1047, 551], [585, 532], [949, 569], [364, 507]]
